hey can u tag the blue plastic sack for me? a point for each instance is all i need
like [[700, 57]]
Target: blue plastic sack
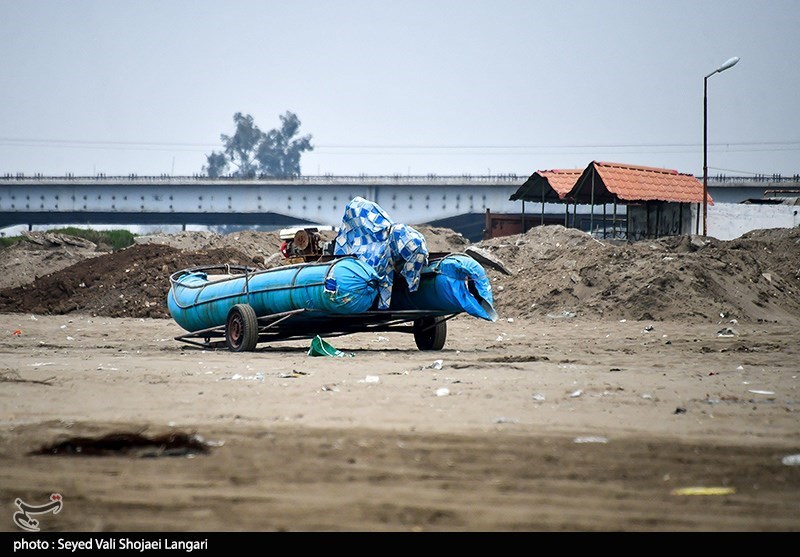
[[454, 284]]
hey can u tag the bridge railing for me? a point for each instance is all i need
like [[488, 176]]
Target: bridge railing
[[325, 179]]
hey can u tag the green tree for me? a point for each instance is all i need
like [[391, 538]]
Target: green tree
[[250, 152]]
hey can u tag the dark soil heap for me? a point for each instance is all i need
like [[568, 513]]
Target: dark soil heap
[[132, 282]]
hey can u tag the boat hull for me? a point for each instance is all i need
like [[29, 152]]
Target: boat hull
[[342, 286]]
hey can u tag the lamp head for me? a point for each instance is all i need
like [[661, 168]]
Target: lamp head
[[729, 64]]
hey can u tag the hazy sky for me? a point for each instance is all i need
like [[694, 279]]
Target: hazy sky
[[401, 87]]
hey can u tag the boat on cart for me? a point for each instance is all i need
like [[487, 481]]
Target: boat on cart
[[237, 307], [377, 276]]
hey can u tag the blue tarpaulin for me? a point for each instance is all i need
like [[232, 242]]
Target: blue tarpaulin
[[454, 284], [369, 233]]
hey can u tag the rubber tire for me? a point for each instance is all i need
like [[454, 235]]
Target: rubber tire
[[241, 328], [433, 338]]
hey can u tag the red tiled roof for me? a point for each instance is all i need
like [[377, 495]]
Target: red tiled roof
[[543, 183], [561, 180], [644, 183]]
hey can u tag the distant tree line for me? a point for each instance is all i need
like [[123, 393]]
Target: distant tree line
[[251, 153]]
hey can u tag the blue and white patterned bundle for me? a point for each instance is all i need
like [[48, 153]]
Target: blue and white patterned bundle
[[369, 233]]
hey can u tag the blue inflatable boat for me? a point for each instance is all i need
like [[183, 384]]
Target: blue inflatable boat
[[244, 306], [200, 299]]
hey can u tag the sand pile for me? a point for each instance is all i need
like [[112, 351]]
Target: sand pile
[[556, 273], [561, 272], [40, 253]]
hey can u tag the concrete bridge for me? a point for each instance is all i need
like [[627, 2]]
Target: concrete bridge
[[459, 202]]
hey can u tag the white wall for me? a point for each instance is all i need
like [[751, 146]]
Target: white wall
[[727, 221]]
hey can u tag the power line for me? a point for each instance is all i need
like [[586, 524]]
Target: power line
[[153, 145], [172, 144]]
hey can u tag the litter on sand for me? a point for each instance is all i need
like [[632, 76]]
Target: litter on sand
[[791, 460], [704, 491], [320, 347], [590, 439]]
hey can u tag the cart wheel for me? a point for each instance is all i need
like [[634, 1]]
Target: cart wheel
[[430, 333], [241, 328]]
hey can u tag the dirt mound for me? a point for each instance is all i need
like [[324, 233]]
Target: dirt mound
[[252, 243], [40, 253], [562, 272], [440, 239], [132, 282], [264, 244], [556, 272]]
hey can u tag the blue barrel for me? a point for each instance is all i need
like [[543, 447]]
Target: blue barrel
[[454, 284], [342, 286]]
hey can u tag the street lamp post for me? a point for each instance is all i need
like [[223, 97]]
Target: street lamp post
[[729, 64]]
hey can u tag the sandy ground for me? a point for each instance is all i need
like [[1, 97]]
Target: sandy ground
[[546, 424]]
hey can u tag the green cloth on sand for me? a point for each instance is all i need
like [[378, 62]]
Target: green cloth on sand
[[321, 348]]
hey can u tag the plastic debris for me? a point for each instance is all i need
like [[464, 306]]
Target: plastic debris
[[17, 333], [726, 332], [590, 439], [443, 391], [576, 394], [293, 374], [370, 379], [437, 364], [704, 491], [538, 397], [791, 460], [504, 420], [320, 347], [562, 315], [757, 392], [239, 377]]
